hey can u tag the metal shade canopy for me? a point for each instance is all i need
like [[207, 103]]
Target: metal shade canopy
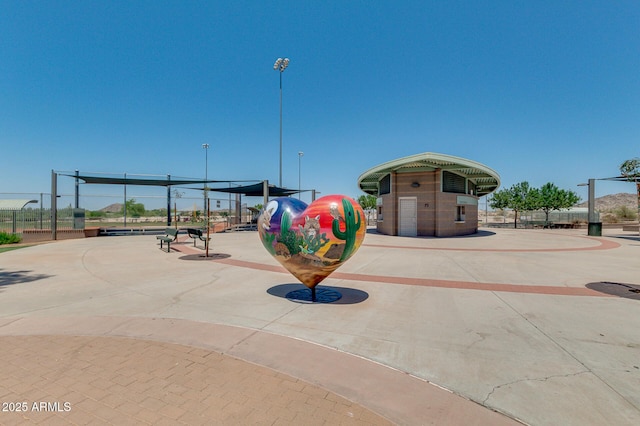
[[256, 190], [15, 205], [253, 190], [102, 180]]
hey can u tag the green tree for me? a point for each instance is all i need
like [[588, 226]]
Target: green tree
[[520, 197], [367, 202], [95, 214], [133, 209], [550, 197], [630, 170]]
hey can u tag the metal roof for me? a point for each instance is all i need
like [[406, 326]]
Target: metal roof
[[486, 179], [15, 204]]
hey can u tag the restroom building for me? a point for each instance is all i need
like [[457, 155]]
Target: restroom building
[[428, 194]]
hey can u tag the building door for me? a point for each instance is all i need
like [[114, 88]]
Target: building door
[[407, 216]]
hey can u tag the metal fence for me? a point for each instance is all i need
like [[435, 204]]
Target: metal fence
[[560, 216], [107, 210], [37, 216]]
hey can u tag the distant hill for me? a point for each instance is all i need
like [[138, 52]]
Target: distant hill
[[112, 208], [613, 201]]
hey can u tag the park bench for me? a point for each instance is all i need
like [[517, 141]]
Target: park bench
[[197, 234], [171, 234]]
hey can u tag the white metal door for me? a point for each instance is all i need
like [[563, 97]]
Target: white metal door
[[407, 216]]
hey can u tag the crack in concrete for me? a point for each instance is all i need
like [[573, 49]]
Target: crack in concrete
[[261, 329], [539, 379], [566, 351]]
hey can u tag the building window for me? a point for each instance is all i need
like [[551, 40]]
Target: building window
[[459, 213], [379, 213], [452, 182], [385, 185]]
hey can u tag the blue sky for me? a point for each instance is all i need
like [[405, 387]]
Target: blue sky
[[542, 91]]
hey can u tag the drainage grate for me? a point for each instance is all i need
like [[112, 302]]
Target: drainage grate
[[628, 291]]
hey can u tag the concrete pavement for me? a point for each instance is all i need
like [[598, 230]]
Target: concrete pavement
[[490, 329]]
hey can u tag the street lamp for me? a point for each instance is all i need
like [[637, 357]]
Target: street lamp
[[205, 146], [300, 154], [280, 65], [594, 228]]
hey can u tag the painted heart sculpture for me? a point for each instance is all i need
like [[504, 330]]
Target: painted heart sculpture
[[311, 241]]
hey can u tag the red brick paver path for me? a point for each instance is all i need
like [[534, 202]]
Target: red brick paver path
[[117, 380]]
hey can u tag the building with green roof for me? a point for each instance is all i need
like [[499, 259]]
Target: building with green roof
[[428, 194]]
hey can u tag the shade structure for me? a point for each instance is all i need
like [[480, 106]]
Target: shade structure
[[252, 190], [123, 180], [15, 205], [257, 190]]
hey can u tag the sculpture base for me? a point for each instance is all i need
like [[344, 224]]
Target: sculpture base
[[314, 295]]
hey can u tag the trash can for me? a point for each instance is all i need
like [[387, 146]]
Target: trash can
[[595, 229]]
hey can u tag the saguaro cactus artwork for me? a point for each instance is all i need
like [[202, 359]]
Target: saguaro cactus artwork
[[351, 228], [312, 241]]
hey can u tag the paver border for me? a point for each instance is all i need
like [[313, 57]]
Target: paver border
[[395, 395]]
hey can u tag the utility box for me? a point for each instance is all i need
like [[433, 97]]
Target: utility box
[[78, 218], [595, 229]]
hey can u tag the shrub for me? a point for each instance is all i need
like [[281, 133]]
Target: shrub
[[625, 213], [8, 238]]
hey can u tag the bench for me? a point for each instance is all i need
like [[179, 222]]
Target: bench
[[197, 234], [170, 235]]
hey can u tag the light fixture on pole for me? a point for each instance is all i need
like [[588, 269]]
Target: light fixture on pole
[[280, 65], [300, 154], [205, 146]]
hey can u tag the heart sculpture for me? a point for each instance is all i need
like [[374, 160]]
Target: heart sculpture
[[311, 241]]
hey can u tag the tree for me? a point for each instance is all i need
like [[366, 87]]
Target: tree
[[520, 197], [133, 209], [550, 197], [500, 200], [368, 203], [630, 170]]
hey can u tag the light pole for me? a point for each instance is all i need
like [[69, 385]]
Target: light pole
[[280, 65], [205, 146], [300, 154], [594, 228]]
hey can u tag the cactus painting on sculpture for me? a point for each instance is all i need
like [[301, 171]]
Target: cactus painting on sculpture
[[311, 241]]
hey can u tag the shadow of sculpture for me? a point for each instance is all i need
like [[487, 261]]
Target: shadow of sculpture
[[212, 256], [479, 234], [18, 277], [301, 294]]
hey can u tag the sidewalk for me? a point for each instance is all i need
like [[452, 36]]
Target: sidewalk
[[428, 331]]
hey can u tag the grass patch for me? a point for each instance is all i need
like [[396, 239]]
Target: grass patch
[[9, 248]]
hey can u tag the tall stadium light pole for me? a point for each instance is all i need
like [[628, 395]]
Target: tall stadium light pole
[[205, 146], [280, 65], [300, 154]]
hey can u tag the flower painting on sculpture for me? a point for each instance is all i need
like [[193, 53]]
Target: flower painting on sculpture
[[311, 241]]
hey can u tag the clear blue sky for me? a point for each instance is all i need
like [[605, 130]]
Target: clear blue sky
[[543, 91]]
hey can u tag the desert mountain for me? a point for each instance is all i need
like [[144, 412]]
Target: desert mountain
[[613, 201], [112, 208]]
